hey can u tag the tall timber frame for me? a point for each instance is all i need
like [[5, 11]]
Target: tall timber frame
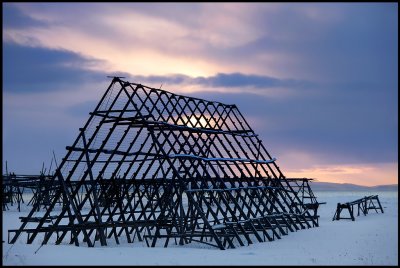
[[154, 166]]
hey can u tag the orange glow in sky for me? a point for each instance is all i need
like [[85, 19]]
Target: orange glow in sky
[[368, 175], [315, 104]]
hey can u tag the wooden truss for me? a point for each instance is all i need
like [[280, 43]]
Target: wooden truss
[[154, 166], [363, 204], [14, 186]]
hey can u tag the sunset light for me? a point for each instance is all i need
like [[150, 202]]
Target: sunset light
[[317, 82]]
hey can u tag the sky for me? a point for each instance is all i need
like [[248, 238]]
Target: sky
[[317, 81]]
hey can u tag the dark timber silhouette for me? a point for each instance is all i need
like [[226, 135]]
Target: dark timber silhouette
[[154, 166], [364, 204]]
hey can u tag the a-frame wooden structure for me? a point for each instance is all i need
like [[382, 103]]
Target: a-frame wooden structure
[[154, 166]]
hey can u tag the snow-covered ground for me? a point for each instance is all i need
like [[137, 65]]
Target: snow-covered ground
[[369, 240]]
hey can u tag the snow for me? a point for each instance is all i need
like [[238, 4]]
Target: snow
[[206, 130], [223, 159], [369, 240]]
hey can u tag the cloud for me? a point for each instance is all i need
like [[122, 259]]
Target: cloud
[[317, 81], [353, 43], [336, 127], [323, 120], [40, 69], [187, 44], [36, 69], [321, 42], [227, 80], [13, 17], [314, 42], [242, 80]]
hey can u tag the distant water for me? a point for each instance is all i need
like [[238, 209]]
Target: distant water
[[353, 195]]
